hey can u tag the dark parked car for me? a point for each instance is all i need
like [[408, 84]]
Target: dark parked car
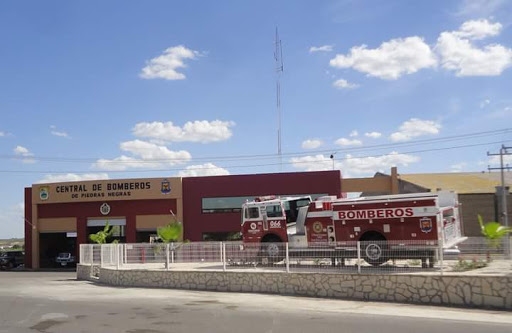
[[65, 259], [11, 259]]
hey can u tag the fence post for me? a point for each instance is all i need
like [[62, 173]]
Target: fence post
[[101, 255], [221, 251], [91, 253], [172, 253], [287, 259], [441, 256], [223, 256], [167, 256], [121, 255], [359, 257], [117, 250]]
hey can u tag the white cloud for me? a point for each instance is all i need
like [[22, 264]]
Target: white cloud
[[124, 162], [505, 112], [353, 133], [165, 66], [147, 156], [313, 163], [24, 153], [151, 151], [72, 177], [484, 103], [458, 167], [62, 134], [373, 135], [460, 55], [379, 163], [311, 143], [344, 84], [207, 169], [56, 132], [356, 165], [482, 8], [390, 60], [478, 29], [12, 221], [348, 142], [495, 160], [323, 48], [415, 127], [197, 131], [2, 133]]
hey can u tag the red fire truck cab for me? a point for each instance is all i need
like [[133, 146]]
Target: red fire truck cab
[[387, 227]]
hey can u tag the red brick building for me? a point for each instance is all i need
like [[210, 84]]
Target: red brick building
[[60, 216]]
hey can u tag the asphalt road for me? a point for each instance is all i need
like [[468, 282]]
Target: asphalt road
[[56, 302]]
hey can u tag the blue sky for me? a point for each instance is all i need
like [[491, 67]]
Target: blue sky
[[128, 89]]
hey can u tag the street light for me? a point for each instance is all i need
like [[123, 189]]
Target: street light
[[332, 158]]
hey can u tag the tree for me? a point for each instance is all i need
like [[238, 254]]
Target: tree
[[101, 236]]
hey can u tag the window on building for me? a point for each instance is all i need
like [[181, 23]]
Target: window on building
[[224, 204], [234, 204]]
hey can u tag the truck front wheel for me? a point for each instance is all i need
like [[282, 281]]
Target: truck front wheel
[[272, 250]]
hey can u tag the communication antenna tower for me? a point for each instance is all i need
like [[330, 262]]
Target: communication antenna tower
[[278, 57]]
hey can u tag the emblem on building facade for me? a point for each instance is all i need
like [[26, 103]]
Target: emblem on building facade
[[166, 186], [105, 209], [44, 192]]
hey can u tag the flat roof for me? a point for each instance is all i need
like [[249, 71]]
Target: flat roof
[[460, 182]]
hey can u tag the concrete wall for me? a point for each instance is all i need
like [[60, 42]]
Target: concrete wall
[[466, 291], [474, 204], [83, 272]]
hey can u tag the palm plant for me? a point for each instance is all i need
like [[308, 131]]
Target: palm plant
[[493, 232], [102, 236], [171, 232]]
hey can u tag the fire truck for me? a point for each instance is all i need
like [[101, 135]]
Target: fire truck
[[403, 226]]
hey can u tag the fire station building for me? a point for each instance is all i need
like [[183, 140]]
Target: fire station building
[[60, 216]]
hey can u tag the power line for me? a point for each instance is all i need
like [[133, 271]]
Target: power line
[[253, 165], [273, 156]]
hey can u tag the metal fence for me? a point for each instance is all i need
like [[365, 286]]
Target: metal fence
[[344, 257]]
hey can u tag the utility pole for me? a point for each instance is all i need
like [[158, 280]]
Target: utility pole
[[502, 168], [279, 68]]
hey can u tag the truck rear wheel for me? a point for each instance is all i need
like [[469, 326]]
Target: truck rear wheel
[[374, 248]]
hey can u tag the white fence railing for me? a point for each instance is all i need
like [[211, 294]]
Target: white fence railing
[[343, 257]]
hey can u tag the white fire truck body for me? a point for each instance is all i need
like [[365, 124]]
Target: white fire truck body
[[387, 226]]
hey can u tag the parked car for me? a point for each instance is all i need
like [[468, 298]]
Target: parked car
[[65, 259], [11, 259]]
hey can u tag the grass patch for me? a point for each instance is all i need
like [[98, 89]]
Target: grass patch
[[468, 265]]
